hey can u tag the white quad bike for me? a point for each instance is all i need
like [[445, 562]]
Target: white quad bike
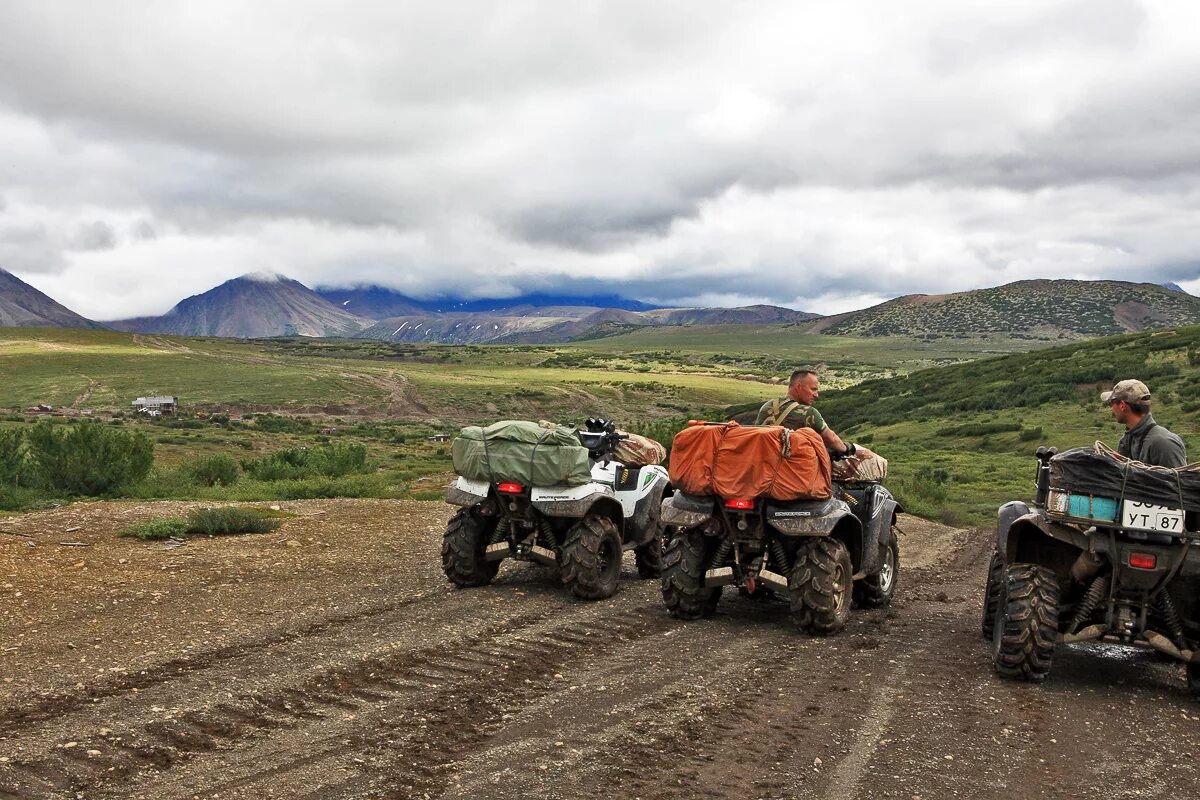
[[581, 530]]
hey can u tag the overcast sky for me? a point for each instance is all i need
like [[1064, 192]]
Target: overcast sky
[[823, 156]]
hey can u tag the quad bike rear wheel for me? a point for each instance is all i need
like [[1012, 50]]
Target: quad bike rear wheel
[[1026, 625], [683, 586], [590, 558], [821, 586], [463, 546]]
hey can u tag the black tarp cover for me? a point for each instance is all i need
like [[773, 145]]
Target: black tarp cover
[[1084, 471]]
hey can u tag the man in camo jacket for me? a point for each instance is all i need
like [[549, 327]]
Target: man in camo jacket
[[796, 411]]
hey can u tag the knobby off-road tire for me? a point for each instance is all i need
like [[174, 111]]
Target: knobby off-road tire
[[1192, 672], [876, 591], [590, 559], [821, 586], [683, 587], [991, 594], [1026, 626], [463, 544], [649, 557]]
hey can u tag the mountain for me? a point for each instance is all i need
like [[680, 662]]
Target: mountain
[[380, 303], [1035, 309], [526, 324], [21, 305], [252, 306]]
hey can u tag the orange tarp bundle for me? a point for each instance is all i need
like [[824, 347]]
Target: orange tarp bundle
[[735, 461]]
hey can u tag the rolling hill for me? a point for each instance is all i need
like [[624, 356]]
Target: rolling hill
[[1037, 309], [252, 306], [23, 306]]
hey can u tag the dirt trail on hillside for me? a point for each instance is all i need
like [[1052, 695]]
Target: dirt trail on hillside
[[330, 659]]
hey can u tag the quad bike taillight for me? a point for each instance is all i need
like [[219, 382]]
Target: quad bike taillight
[[1143, 560], [509, 488], [740, 504]]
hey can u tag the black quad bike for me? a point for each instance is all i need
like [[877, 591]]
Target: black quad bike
[[581, 530], [821, 556], [1084, 567]]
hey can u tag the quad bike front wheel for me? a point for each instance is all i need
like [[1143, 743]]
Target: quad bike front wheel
[[590, 558], [1026, 626], [991, 594], [821, 586], [875, 591], [683, 587], [463, 546]]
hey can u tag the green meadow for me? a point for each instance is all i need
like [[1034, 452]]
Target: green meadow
[[958, 419]]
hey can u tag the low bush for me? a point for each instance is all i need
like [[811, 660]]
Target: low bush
[[155, 529], [217, 470], [12, 455], [88, 458], [331, 461], [229, 519]]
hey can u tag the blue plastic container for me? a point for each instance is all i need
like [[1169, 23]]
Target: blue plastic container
[[1097, 509]]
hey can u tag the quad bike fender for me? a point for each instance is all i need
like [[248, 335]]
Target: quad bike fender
[[878, 531], [577, 502], [831, 517], [682, 510], [466, 492], [1032, 538], [647, 504]]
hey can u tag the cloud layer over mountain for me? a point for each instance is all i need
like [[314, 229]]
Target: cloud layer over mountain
[[807, 155]]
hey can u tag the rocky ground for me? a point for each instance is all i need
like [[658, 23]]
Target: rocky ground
[[331, 659]]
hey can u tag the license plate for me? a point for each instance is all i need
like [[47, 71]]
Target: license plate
[[1149, 517]]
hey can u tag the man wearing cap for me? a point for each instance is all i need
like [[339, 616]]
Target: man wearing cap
[[795, 410], [1144, 440]]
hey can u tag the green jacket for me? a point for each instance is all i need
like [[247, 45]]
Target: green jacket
[[1151, 443], [787, 412]]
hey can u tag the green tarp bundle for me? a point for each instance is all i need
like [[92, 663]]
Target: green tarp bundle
[[521, 452]]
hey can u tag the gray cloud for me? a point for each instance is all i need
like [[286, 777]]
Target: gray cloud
[[807, 154]]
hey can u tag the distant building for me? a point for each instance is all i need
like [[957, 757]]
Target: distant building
[[439, 437], [156, 406]]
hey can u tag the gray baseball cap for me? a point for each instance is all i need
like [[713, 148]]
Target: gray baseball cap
[[1129, 391]]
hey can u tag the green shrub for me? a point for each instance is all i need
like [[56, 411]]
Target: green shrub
[[332, 461], [12, 455], [214, 470], [153, 529], [89, 458], [229, 519], [1031, 434]]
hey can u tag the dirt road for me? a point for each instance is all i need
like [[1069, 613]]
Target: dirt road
[[331, 659]]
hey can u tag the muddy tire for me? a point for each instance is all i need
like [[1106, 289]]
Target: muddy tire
[[876, 591], [590, 558], [463, 543], [1026, 623], [991, 595], [649, 557], [683, 587], [821, 586]]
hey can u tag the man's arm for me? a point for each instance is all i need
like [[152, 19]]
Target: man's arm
[[833, 441]]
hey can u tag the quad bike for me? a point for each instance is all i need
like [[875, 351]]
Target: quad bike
[[1089, 568], [821, 556], [580, 530]]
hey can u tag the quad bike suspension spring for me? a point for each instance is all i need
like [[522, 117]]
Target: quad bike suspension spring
[[502, 529], [1165, 605], [779, 558], [548, 537], [1091, 600], [721, 554]]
